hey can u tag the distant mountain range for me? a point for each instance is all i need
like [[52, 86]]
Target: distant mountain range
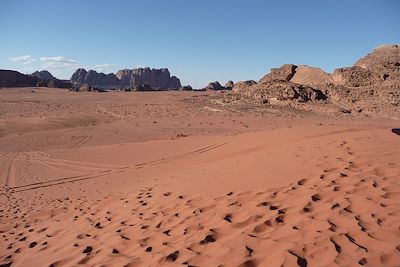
[[155, 79], [11, 78], [158, 79]]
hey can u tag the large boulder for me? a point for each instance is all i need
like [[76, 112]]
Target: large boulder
[[11, 78]]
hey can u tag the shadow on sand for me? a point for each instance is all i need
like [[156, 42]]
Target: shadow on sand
[[396, 131]]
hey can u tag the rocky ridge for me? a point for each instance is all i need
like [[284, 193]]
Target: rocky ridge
[[156, 79], [371, 85], [11, 78]]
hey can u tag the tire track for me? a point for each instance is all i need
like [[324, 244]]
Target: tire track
[[94, 175]]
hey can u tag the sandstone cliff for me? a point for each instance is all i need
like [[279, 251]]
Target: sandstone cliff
[[159, 79], [156, 79]]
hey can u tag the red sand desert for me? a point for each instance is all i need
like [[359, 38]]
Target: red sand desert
[[165, 178]]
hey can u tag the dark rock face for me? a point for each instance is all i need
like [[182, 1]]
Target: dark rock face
[[214, 86], [11, 78], [91, 77], [156, 79], [44, 75]]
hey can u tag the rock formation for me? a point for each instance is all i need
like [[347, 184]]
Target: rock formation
[[284, 73], [91, 77], [268, 91], [44, 75], [311, 76], [11, 78], [381, 67], [370, 85], [229, 85], [186, 88], [214, 86], [157, 79]]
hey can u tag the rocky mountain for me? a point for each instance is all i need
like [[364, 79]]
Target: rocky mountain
[[44, 75], [159, 79], [156, 79], [93, 78], [11, 78]]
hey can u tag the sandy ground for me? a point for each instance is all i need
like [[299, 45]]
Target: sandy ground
[[150, 179]]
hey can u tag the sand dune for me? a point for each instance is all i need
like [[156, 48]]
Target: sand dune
[[280, 192]]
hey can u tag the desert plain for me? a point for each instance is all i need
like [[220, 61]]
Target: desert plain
[[181, 179]]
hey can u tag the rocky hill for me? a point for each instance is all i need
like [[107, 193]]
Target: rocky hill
[[11, 78], [94, 78], [44, 75], [157, 79], [371, 85]]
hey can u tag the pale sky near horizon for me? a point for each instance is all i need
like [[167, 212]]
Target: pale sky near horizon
[[199, 41]]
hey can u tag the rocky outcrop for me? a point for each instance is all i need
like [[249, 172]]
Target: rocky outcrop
[[311, 76], [284, 73], [46, 79], [301, 74], [44, 75], [381, 56], [229, 85], [214, 86], [381, 67], [11, 78], [370, 86], [276, 90], [54, 84], [94, 78], [355, 77], [157, 79], [186, 88]]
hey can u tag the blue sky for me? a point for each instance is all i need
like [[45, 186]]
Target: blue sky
[[199, 41]]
